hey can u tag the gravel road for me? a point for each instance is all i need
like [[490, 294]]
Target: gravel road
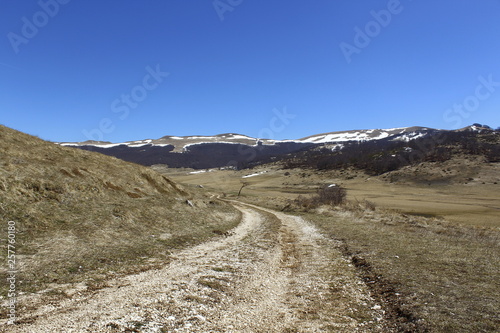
[[272, 273]]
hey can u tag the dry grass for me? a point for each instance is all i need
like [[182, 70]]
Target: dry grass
[[468, 202], [83, 216], [430, 272], [432, 275], [326, 195]]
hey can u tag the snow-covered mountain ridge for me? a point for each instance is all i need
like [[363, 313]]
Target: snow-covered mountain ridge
[[237, 150], [181, 143]]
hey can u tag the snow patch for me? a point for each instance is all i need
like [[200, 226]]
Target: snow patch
[[254, 174], [110, 145], [409, 136], [238, 136], [197, 172], [69, 144]]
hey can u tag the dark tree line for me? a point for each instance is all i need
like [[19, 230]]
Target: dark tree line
[[377, 157], [202, 156]]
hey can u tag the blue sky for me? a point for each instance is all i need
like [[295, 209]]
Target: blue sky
[[77, 70]]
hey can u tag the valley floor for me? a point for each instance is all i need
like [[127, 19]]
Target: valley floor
[[471, 199]]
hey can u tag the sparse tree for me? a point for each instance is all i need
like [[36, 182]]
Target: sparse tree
[[243, 184]]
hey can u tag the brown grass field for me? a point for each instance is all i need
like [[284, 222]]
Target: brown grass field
[[430, 253], [467, 202]]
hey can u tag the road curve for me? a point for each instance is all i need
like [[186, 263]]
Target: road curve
[[272, 273]]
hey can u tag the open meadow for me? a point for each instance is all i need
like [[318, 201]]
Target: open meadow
[[429, 252]]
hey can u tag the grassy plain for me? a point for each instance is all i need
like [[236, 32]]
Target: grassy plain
[[466, 201], [430, 252]]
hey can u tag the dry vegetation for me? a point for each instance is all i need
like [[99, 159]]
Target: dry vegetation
[[430, 273], [424, 268], [326, 195], [471, 198], [82, 217]]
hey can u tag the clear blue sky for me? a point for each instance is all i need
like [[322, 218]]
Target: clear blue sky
[[69, 68]]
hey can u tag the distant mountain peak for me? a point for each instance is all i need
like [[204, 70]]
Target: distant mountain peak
[[205, 151]]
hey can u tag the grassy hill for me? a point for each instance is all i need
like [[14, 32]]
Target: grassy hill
[[82, 217]]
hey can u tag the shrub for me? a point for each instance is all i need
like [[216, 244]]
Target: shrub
[[326, 195], [369, 205], [331, 195]]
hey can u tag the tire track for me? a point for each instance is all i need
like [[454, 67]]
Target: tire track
[[274, 273]]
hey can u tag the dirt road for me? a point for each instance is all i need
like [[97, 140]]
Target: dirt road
[[273, 273]]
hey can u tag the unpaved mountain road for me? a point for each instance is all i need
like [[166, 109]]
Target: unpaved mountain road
[[272, 273]]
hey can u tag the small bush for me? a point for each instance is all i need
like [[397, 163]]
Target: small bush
[[369, 205], [327, 195], [331, 195], [304, 202]]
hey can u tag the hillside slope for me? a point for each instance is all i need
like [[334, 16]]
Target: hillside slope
[[382, 156], [82, 216]]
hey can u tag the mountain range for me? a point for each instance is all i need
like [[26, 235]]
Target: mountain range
[[233, 150]]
